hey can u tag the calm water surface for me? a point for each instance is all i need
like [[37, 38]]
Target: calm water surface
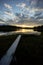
[[21, 31]]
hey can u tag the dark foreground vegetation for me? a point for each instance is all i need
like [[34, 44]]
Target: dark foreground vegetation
[[29, 50], [5, 43]]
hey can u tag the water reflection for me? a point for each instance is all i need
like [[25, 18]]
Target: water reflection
[[27, 31], [21, 31]]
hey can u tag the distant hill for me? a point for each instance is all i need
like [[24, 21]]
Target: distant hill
[[7, 28]]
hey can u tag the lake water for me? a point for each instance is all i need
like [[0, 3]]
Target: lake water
[[7, 58], [21, 31]]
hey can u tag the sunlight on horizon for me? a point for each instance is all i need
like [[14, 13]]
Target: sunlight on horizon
[[23, 25]]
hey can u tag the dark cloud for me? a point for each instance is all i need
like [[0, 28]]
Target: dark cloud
[[18, 14], [36, 3], [37, 13], [2, 20], [40, 3], [39, 17]]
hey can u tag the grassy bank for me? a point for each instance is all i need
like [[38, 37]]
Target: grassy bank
[[5, 43], [29, 50]]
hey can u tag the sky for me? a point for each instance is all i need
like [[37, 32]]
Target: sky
[[21, 12]]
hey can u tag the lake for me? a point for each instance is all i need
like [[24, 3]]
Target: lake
[[21, 31]]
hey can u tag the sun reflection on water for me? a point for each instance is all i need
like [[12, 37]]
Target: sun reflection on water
[[27, 31]]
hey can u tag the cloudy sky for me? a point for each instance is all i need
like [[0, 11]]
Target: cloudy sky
[[26, 12]]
